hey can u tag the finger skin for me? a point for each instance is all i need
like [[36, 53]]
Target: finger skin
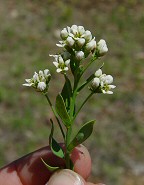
[[29, 170]]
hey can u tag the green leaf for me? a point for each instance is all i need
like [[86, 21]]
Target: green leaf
[[67, 93], [55, 147], [61, 110], [82, 135], [50, 168]]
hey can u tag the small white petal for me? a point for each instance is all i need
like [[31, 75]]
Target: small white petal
[[112, 86], [56, 64], [27, 85], [109, 92], [66, 69], [46, 72], [67, 62], [35, 77], [60, 60], [59, 70], [28, 80]]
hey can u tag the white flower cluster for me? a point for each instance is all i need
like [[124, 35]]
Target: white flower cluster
[[39, 81], [102, 83], [61, 62], [81, 41]]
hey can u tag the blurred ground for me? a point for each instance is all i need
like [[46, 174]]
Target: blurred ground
[[28, 33]]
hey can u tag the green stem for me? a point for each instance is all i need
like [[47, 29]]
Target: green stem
[[82, 105], [67, 155], [92, 60], [54, 112]]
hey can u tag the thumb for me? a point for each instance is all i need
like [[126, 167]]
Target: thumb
[[66, 177]]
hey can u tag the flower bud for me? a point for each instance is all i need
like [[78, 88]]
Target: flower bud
[[79, 55], [70, 41], [95, 83], [81, 42], [91, 45], [108, 79], [64, 34], [74, 29], [98, 73], [88, 35], [102, 47], [81, 30]]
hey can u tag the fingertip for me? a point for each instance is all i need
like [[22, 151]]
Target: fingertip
[[82, 161], [66, 177]]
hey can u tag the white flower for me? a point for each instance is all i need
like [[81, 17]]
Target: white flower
[[91, 45], [107, 89], [61, 44], [102, 83], [47, 73], [102, 47], [60, 63], [35, 77], [98, 73], [39, 81], [41, 86], [81, 42], [70, 42], [79, 55], [64, 33]]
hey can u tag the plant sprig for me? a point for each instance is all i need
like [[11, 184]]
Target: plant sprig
[[77, 44]]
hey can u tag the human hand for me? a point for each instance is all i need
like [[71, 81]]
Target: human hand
[[29, 170]]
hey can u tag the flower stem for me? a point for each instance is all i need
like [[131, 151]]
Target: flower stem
[[88, 97], [54, 112]]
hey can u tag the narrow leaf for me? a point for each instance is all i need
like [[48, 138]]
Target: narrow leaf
[[61, 110], [82, 135], [67, 92], [50, 168], [55, 147]]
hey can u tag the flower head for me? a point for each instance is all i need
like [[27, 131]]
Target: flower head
[[60, 63], [39, 81], [77, 39], [102, 83]]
